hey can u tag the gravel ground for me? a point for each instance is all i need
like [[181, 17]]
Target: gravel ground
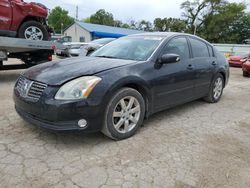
[[193, 145]]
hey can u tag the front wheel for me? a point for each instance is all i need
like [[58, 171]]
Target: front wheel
[[124, 114], [216, 89], [33, 30]]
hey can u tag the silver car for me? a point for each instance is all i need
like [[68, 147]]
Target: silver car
[[71, 49]]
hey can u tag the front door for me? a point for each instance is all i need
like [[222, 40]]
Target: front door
[[175, 81]]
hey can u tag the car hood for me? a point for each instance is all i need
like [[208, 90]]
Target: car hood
[[59, 72]]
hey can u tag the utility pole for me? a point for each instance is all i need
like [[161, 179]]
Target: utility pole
[[76, 12], [61, 28]]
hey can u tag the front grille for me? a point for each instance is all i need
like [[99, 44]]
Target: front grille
[[36, 90], [20, 84], [30, 90]]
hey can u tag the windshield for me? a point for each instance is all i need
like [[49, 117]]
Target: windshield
[[131, 48]]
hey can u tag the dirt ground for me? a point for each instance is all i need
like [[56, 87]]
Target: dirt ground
[[193, 145]]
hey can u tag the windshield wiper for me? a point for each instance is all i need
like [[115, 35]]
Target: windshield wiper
[[106, 56]]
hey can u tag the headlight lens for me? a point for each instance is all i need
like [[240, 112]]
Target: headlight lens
[[79, 88]]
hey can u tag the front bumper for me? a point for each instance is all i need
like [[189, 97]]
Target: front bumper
[[235, 63], [59, 115]]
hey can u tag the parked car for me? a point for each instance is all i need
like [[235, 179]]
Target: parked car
[[246, 67], [82, 49], [24, 20], [96, 44], [72, 49], [237, 59], [77, 50], [122, 83]]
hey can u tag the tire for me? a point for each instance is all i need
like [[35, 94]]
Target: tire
[[245, 74], [212, 97], [40, 32], [123, 117]]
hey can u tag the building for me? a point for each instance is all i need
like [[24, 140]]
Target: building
[[85, 32]]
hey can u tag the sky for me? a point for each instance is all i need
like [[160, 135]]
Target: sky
[[124, 10]]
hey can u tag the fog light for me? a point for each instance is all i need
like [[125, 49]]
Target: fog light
[[82, 123]]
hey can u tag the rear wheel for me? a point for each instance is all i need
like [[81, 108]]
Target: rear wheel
[[216, 89], [33, 30], [245, 74], [124, 114]]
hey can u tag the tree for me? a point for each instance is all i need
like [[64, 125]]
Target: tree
[[227, 24], [102, 17], [170, 24], [125, 25], [196, 10], [118, 23], [240, 28], [145, 25], [86, 20], [59, 19], [159, 24]]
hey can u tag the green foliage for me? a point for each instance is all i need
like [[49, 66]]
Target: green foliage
[[59, 19], [225, 24], [241, 28], [217, 20], [145, 25], [86, 20], [195, 11], [170, 24], [102, 17]]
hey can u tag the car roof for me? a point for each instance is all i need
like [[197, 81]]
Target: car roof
[[165, 35]]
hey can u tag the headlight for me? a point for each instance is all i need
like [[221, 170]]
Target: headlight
[[79, 88]]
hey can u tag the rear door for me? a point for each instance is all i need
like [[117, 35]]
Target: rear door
[[5, 14], [205, 63]]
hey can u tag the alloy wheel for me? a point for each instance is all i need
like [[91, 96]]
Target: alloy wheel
[[33, 33], [126, 114], [218, 86]]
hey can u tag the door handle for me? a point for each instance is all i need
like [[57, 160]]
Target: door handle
[[214, 63], [190, 67]]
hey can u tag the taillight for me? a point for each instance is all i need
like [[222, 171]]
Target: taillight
[[50, 58]]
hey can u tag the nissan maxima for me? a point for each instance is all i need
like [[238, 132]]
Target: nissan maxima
[[122, 83]]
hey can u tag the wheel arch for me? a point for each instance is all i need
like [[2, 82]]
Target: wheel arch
[[222, 72], [138, 85], [32, 18]]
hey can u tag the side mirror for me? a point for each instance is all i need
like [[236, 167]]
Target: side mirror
[[169, 58]]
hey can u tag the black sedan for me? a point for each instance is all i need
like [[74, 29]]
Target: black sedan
[[121, 84]]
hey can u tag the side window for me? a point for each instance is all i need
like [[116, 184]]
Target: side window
[[210, 49], [199, 48], [177, 46]]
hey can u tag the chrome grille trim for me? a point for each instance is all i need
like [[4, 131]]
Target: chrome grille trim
[[35, 91]]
